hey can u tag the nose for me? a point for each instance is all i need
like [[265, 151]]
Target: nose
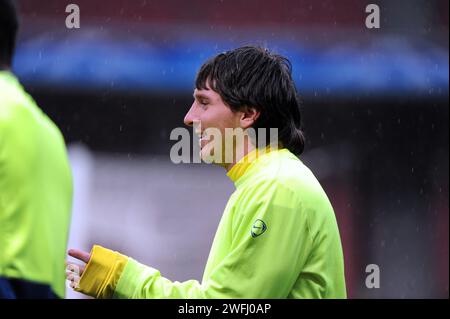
[[190, 116]]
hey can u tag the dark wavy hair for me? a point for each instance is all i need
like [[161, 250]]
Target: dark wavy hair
[[252, 76], [9, 24]]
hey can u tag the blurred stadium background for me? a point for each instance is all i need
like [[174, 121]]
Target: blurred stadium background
[[375, 114]]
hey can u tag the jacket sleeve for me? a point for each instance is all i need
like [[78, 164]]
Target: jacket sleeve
[[270, 244]]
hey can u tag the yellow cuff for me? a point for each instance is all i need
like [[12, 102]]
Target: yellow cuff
[[102, 273]]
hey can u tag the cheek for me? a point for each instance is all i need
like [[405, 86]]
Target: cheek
[[233, 121], [209, 119], [220, 119], [207, 116], [229, 119]]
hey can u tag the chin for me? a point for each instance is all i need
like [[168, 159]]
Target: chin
[[206, 157]]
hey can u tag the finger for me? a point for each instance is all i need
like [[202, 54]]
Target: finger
[[73, 277], [80, 255], [74, 280], [72, 268]]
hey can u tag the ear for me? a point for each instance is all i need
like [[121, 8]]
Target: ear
[[248, 117]]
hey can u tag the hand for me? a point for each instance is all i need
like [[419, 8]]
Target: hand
[[74, 270]]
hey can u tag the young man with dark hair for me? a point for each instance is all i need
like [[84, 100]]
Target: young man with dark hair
[[278, 236], [35, 185]]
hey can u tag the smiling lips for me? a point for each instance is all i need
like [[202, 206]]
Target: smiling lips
[[202, 138]]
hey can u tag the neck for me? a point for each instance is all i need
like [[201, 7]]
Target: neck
[[246, 148]]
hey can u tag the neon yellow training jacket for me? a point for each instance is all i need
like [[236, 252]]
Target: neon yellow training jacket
[[278, 238], [35, 191]]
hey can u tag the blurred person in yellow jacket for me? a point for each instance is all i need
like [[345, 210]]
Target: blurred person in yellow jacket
[[35, 185]]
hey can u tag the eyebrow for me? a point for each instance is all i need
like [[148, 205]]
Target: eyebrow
[[201, 96]]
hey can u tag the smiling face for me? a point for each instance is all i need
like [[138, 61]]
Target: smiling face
[[209, 110]]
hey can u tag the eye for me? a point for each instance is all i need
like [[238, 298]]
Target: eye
[[203, 103]]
